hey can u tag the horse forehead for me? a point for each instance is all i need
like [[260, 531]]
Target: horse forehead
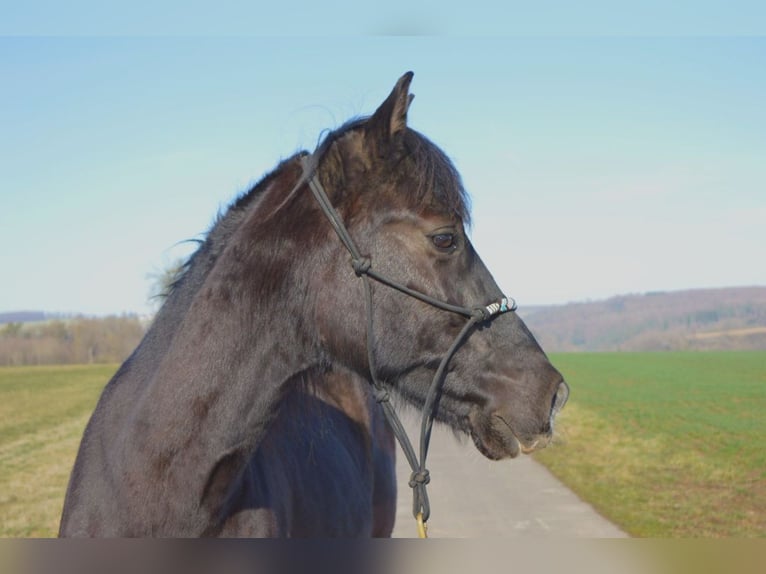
[[435, 218], [398, 211], [409, 196]]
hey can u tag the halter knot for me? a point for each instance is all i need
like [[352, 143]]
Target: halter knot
[[361, 265], [381, 395], [419, 477], [481, 314]]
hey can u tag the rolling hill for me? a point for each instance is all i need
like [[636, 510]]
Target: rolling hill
[[699, 319]]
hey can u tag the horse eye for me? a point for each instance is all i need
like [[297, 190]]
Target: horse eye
[[444, 241]]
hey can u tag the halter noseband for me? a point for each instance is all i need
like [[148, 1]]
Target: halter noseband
[[362, 267]]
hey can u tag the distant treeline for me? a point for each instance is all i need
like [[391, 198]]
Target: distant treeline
[[72, 341]]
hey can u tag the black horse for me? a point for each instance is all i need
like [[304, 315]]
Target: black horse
[[247, 409]]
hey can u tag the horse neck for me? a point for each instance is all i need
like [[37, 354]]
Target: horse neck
[[239, 348], [177, 302]]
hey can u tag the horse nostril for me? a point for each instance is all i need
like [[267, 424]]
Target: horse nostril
[[560, 398]]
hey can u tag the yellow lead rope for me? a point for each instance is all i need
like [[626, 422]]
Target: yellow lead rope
[[422, 527]]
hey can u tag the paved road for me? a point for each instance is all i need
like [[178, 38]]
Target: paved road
[[473, 497]]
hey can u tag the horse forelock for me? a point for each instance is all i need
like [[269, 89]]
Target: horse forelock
[[433, 179], [438, 181]]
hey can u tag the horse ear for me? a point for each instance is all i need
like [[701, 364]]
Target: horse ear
[[391, 117]]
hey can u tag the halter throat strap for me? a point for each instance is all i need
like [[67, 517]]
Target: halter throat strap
[[362, 267]]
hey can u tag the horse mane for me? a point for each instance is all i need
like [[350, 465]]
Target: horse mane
[[224, 225]]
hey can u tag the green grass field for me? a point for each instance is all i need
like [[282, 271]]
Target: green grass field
[[667, 444], [662, 444], [43, 411]]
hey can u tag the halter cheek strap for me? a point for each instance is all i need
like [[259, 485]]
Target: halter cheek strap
[[362, 267]]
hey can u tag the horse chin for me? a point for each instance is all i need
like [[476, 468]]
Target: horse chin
[[495, 439]]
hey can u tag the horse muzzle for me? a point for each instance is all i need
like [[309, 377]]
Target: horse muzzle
[[497, 434]]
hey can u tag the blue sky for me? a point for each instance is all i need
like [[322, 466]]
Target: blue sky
[[394, 17], [597, 165]]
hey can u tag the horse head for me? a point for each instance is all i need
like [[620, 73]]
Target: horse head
[[403, 203]]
